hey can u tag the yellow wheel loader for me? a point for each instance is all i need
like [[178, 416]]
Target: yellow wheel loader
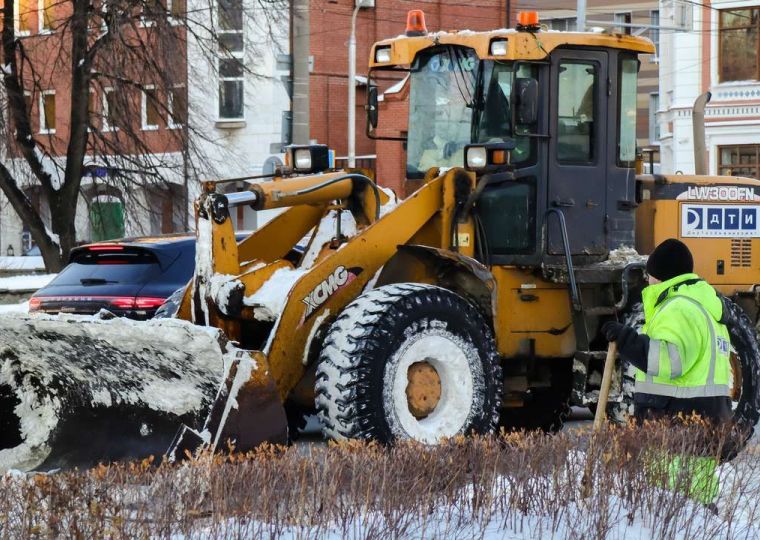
[[474, 302]]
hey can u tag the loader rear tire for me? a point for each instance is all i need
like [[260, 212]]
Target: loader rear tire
[[408, 361]]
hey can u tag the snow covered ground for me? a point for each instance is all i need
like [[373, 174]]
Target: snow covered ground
[[21, 263], [25, 283], [23, 307]]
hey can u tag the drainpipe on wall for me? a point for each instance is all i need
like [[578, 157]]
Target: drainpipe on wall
[[698, 125], [300, 52]]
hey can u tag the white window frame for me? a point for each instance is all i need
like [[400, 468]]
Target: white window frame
[[41, 18], [654, 118], [43, 129], [144, 109], [106, 110], [170, 124], [624, 14], [174, 21], [90, 114], [17, 20], [655, 28], [566, 23], [239, 55]]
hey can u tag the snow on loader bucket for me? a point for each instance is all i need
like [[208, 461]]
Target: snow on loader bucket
[[75, 391]]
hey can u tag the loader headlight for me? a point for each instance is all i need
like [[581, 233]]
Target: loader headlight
[[309, 159], [499, 47], [477, 157], [488, 157], [383, 54], [302, 159]]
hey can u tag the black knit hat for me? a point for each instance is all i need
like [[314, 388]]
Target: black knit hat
[[670, 259]]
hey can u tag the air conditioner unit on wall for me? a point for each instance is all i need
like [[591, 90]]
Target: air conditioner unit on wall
[[365, 3]]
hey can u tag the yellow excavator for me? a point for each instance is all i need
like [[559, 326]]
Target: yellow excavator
[[475, 302]]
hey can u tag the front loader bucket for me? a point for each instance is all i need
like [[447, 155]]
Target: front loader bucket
[[75, 391]]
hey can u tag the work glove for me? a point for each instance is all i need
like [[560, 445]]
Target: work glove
[[632, 346], [612, 330]]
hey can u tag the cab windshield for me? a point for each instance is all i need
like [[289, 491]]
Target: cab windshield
[[455, 100]]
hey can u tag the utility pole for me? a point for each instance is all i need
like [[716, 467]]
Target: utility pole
[[581, 21], [352, 81], [352, 88]]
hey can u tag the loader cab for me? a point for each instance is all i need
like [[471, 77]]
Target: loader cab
[[570, 112]]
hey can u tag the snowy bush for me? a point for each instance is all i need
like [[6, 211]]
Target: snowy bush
[[514, 485]]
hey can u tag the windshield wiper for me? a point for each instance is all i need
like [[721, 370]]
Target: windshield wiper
[[95, 281]]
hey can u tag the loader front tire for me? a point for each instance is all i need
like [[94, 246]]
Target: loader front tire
[[408, 361]]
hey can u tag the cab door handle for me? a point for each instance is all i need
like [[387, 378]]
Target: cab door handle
[[563, 203]]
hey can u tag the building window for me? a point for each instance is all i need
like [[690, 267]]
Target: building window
[[654, 32], [92, 110], [28, 102], [45, 15], [47, 111], [562, 25], [741, 160], [622, 19], [177, 9], [231, 51], [25, 10], [177, 104], [150, 113], [739, 44], [110, 110], [654, 125]]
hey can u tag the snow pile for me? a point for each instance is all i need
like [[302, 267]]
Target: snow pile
[[67, 367], [26, 283], [21, 263], [204, 264], [325, 232], [624, 255], [270, 299], [23, 307], [220, 288]]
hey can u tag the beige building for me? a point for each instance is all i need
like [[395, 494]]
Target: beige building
[[636, 18]]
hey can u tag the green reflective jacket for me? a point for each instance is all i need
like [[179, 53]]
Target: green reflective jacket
[[689, 349]]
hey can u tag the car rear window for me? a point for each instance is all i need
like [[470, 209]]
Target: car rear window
[[103, 266]]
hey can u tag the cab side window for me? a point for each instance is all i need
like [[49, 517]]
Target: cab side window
[[577, 112]]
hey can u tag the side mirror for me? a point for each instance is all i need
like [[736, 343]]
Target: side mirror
[[371, 107], [526, 98]]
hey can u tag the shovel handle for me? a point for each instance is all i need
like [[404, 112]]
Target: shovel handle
[[604, 391]]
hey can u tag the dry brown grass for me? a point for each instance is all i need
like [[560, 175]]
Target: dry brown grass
[[526, 484]]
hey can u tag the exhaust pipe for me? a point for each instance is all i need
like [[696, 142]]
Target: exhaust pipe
[[698, 124]]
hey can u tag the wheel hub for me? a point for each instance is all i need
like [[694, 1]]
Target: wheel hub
[[423, 391]]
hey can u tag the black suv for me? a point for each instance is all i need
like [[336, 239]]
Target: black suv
[[131, 277]]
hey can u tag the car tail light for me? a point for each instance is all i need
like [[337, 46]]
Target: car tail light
[[34, 303], [105, 247], [122, 302], [143, 302]]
